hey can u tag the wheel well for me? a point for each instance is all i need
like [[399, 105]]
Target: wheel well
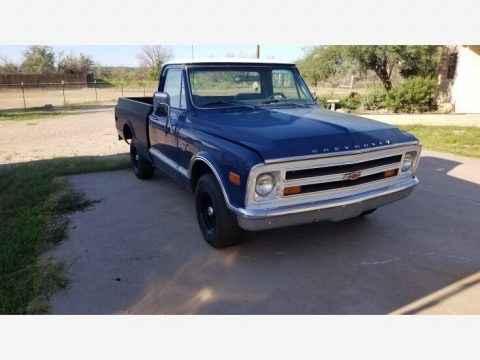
[[198, 170], [127, 133]]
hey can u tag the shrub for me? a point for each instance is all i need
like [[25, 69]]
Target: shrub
[[322, 101], [374, 99], [414, 95], [350, 103]]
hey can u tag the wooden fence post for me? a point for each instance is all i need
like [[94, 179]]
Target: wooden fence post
[[63, 91], [23, 94]]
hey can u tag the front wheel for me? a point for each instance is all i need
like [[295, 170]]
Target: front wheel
[[218, 225], [142, 168]]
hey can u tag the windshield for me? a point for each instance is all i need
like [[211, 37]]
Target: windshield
[[246, 85]]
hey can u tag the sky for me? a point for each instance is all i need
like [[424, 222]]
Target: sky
[[125, 55]]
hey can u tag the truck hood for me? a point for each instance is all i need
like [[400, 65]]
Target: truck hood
[[287, 131]]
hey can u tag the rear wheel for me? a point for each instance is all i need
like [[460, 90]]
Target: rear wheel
[[218, 225], [142, 168]]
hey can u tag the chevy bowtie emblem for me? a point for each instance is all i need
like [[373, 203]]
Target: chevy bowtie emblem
[[354, 175]]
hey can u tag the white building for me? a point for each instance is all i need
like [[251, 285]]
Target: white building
[[459, 79]]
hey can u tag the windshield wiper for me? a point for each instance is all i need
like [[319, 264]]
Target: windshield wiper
[[228, 102], [276, 101]]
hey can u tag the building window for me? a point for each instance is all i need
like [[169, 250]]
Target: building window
[[452, 65]]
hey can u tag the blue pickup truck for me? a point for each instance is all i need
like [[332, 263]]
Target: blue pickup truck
[[248, 139]]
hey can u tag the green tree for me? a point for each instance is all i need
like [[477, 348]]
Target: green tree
[[38, 60], [409, 60], [323, 63], [78, 65], [382, 60], [152, 58], [420, 61]]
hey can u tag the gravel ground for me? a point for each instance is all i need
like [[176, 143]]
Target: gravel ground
[[88, 133]]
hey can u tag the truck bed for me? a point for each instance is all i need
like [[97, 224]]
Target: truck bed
[[134, 112]]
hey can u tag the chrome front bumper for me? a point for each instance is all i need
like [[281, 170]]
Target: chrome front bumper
[[323, 210]]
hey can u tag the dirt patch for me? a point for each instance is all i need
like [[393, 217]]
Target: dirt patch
[[90, 133]]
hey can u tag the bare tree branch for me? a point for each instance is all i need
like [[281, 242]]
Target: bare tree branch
[[7, 66], [153, 57]]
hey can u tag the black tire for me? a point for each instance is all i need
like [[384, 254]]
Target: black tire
[[218, 225], [142, 168], [367, 212]]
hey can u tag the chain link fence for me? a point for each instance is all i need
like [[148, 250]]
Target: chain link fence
[[36, 95], [25, 96]]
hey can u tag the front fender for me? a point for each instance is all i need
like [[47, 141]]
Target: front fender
[[225, 159], [205, 158]]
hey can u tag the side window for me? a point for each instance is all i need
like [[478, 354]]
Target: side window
[[283, 82], [174, 87]]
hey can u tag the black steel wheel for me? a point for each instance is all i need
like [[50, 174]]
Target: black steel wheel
[[207, 212], [217, 224], [142, 168]]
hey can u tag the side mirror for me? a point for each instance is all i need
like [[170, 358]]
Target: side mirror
[[161, 104]]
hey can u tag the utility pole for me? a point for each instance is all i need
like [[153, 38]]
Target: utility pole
[[258, 52]]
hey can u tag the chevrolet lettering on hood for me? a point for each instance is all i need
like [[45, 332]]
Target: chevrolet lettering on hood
[[353, 147], [248, 139]]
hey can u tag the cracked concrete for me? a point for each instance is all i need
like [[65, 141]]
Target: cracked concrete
[[382, 262], [139, 251]]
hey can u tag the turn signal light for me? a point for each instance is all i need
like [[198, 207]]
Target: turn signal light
[[292, 190], [390, 173], [234, 178]]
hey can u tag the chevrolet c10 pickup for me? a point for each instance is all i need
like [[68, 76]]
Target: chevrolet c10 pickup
[[248, 139]]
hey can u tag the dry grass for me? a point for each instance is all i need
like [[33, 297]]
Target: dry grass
[[13, 98]]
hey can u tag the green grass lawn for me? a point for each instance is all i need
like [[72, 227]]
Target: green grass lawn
[[460, 140], [30, 115], [41, 112], [34, 198]]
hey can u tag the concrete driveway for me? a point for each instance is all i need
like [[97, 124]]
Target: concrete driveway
[[139, 251]]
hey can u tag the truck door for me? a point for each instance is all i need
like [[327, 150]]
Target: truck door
[[163, 129]]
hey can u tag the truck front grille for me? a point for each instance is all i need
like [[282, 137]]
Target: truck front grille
[[340, 175], [347, 183], [339, 169]]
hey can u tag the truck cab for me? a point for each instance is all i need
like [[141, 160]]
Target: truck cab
[[248, 139]]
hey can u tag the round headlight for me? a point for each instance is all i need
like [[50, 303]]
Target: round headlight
[[407, 161], [265, 184]]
